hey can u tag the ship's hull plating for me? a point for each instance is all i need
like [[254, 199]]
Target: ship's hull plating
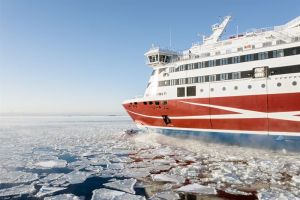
[[274, 115]]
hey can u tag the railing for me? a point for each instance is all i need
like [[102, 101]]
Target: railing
[[287, 37]]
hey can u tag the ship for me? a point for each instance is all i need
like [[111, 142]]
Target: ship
[[244, 86]]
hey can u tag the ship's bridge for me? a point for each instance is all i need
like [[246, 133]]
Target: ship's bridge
[[157, 56]]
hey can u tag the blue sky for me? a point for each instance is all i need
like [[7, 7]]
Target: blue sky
[[86, 57]]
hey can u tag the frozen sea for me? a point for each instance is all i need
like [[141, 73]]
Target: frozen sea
[[90, 157]]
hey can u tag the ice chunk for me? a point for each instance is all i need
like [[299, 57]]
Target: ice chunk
[[52, 164], [169, 195], [196, 188], [115, 166], [63, 197], [276, 193], [51, 177], [18, 190], [126, 185], [77, 177], [168, 178], [136, 172], [17, 177], [46, 190], [127, 196], [106, 194]]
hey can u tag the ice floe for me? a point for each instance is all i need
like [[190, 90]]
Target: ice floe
[[63, 197], [126, 185], [52, 163], [106, 194], [168, 178], [196, 188], [17, 177], [47, 190], [17, 190]]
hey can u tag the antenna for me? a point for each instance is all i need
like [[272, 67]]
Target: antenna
[[170, 37]]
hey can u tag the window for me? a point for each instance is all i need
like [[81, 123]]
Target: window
[[157, 103], [294, 83], [224, 61], [249, 57], [224, 76], [262, 55], [278, 84], [145, 103], [150, 102], [236, 59], [195, 79], [195, 65], [164, 103], [181, 81], [249, 87], [236, 75], [235, 87], [277, 53], [224, 88], [191, 91], [267, 44], [212, 78], [180, 92], [263, 85], [201, 79]]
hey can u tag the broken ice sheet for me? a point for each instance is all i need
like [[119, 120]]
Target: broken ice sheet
[[17, 177], [18, 190], [52, 164], [46, 190], [196, 188], [168, 195], [127, 196], [77, 176], [168, 178], [51, 177], [126, 185], [63, 197], [276, 193], [115, 166], [136, 172], [106, 194]]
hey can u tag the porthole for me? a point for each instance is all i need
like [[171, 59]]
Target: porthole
[[224, 88], [135, 103], [249, 87], [212, 89], [150, 102], [263, 85], [235, 87], [294, 83], [164, 103], [157, 103], [278, 84], [145, 103], [201, 90]]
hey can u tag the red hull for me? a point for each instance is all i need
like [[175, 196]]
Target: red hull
[[268, 113]]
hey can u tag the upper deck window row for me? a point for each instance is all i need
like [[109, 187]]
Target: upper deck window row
[[238, 59]]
